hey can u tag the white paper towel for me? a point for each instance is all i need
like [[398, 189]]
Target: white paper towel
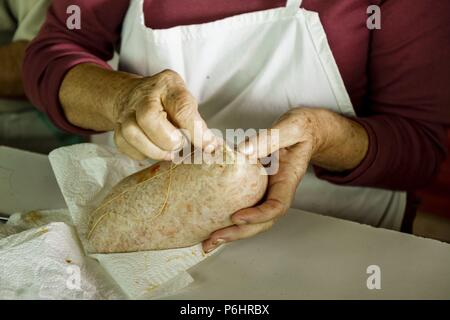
[[47, 262], [86, 174], [39, 218], [20, 222], [6, 231]]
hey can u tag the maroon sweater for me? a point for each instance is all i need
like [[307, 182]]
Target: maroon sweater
[[398, 77]]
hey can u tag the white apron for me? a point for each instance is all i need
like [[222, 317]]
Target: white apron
[[248, 70]]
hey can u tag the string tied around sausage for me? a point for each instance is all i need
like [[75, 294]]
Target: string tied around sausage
[[162, 208]]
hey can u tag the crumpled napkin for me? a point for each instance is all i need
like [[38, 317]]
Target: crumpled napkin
[[46, 261], [86, 174]]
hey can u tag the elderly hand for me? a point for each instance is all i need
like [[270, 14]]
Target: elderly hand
[[296, 146], [148, 118], [326, 138]]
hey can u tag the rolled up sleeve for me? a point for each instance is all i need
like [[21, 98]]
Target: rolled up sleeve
[[57, 49]]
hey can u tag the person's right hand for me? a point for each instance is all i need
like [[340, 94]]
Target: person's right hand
[[150, 115]]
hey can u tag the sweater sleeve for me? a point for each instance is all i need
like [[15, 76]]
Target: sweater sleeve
[[57, 49], [407, 110]]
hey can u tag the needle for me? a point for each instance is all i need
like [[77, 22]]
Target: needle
[[3, 218]]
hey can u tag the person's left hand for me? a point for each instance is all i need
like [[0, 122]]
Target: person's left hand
[[296, 145]]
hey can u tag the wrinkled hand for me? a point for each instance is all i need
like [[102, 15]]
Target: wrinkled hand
[[149, 118], [296, 145]]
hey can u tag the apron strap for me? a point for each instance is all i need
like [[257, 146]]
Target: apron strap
[[293, 3]]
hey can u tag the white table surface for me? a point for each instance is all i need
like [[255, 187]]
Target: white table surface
[[27, 182], [308, 256], [305, 256]]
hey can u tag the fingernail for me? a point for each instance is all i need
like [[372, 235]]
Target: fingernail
[[210, 148], [215, 245], [246, 149], [218, 242], [182, 140], [208, 136], [210, 250]]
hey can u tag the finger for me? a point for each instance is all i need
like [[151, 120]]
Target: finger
[[284, 134], [281, 189], [235, 233], [278, 201], [152, 119], [136, 138], [182, 109], [271, 209], [125, 147]]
